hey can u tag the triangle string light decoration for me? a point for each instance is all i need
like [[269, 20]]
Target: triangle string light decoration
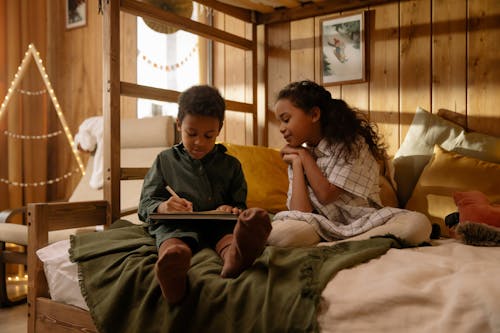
[[32, 53]]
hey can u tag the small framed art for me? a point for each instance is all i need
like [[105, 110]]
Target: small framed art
[[343, 49], [76, 13]]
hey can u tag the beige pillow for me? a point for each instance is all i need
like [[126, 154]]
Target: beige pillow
[[266, 175], [415, 152], [449, 172], [425, 131], [156, 131]]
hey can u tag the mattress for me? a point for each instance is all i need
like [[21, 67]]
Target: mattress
[[446, 287]]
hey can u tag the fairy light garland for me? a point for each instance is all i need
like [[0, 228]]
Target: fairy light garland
[[32, 137], [32, 51], [32, 93], [42, 183], [167, 68]]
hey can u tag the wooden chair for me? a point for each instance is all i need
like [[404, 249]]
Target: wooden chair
[[16, 234]]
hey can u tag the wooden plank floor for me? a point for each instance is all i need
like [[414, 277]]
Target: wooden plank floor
[[14, 319]]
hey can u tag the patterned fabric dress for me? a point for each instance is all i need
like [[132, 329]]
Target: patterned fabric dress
[[358, 208]]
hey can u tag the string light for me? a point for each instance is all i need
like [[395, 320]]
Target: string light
[[171, 67], [32, 137], [41, 183], [32, 93], [17, 78]]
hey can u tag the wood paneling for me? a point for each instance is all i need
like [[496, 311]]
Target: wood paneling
[[233, 74], [449, 55], [415, 60], [4, 191], [302, 50], [128, 59], [278, 75], [219, 60], [483, 99], [235, 82], [74, 65], [437, 54], [384, 72]]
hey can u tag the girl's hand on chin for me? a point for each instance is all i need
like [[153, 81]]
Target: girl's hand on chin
[[290, 150], [291, 158]]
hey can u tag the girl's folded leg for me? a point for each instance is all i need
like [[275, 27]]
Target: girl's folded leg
[[293, 233], [413, 227]]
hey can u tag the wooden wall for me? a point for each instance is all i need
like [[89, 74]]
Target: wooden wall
[[429, 53], [232, 74], [74, 65]]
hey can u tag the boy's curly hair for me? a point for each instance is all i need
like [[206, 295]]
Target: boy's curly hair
[[201, 100]]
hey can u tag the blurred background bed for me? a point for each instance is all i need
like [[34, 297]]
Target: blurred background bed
[[141, 140]]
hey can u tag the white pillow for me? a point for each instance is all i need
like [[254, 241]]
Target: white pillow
[[61, 274]]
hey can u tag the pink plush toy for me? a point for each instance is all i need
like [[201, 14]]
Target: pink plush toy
[[474, 206], [479, 219]]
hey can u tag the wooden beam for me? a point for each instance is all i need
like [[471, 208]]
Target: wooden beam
[[240, 13], [133, 173], [142, 9], [111, 105], [140, 91], [60, 317], [128, 211], [166, 95], [239, 106], [311, 9]]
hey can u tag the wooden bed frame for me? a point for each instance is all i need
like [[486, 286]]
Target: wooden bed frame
[[45, 315]]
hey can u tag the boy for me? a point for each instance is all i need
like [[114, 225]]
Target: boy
[[204, 178]]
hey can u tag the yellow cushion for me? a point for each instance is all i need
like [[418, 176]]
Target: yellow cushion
[[448, 172], [266, 175], [388, 195]]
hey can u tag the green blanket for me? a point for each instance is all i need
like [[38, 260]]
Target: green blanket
[[279, 293]]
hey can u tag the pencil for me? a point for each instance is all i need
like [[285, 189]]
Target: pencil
[[171, 191]]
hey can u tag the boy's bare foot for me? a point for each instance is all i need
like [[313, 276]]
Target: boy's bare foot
[[240, 250], [174, 259]]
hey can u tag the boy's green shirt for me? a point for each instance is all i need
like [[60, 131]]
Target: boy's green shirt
[[216, 179]]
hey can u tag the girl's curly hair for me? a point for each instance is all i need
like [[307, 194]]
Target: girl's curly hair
[[339, 122]]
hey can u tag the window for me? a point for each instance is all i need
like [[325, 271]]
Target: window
[[168, 61]]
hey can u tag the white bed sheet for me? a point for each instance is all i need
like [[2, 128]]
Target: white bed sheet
[[450, 287]]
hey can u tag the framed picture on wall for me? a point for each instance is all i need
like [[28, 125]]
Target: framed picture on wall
[[76, 13], [343, 50]]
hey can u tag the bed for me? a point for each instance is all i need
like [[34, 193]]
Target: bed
[[445, 286]]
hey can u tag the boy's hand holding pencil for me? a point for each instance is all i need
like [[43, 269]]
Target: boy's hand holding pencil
[[175, 203]]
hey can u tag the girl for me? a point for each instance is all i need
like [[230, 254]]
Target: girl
[[332, 154]]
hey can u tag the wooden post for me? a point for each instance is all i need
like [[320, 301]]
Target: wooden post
[[37, 238], [111, 105]]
